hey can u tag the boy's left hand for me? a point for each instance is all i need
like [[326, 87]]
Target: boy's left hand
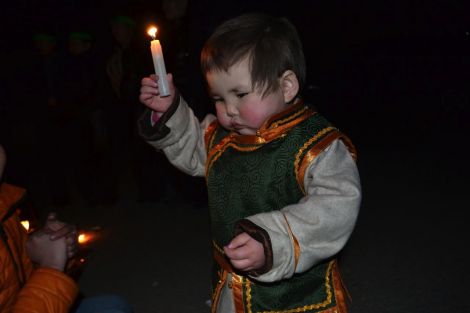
[[245, 253]]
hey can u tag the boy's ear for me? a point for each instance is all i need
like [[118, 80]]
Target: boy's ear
[[289, 85]]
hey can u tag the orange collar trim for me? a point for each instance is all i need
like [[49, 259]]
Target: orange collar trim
[[275, 126]]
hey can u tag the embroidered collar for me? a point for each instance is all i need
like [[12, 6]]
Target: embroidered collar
[[277, 125]]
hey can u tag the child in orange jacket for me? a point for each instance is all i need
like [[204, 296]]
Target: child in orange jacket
[[33, 267]]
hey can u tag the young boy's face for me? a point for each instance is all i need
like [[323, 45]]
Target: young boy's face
[[240, 108]]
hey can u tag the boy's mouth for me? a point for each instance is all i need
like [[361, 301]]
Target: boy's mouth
[[237, 126]]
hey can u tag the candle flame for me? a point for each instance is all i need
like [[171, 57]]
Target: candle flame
[[25, 224], [152, 32], [83, 238]]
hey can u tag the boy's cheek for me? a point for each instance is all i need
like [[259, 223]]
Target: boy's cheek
[[220, 111], [222, 117]]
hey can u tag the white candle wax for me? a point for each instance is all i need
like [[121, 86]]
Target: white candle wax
[[160, 70]]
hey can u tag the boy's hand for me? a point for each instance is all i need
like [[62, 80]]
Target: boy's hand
[[46, 252], [150, 96], [245, 253], [57, 229]]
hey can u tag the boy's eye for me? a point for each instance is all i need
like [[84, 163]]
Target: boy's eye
[[242, 94]]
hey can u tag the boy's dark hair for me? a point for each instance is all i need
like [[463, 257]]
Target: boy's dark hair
[[271, 43]]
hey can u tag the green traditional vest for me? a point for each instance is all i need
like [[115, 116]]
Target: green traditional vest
[[247, 175]]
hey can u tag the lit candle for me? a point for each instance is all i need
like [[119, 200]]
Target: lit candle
[[159, 63]]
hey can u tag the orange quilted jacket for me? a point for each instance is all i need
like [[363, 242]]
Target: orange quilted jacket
[[23, 288]]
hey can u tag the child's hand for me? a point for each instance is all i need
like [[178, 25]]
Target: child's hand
[[150, 96], [46, 252], [57, 229], [245, 253]]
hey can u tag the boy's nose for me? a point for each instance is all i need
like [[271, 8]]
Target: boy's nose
[[231, 110]]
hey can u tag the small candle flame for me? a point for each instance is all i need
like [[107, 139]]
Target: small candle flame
[[83, 238], [25, 224], [152, 32]]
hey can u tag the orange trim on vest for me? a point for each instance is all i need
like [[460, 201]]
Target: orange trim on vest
[[265, 136], [351, 148], [235, 284], [237, 292], [317, 149], [209, 134], [270, 130], [278, 118], [218, 289], [301, 165], [340, 291]]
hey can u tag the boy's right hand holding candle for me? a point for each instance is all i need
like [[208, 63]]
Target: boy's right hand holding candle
[[150, 95]]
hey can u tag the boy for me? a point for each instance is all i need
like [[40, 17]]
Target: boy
[[284, 190]]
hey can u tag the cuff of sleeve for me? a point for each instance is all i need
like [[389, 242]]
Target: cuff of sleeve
[[158, 130], [261, 235]]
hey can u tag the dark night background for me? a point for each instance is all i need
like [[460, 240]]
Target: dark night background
[[393, 75], [399, 62]]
